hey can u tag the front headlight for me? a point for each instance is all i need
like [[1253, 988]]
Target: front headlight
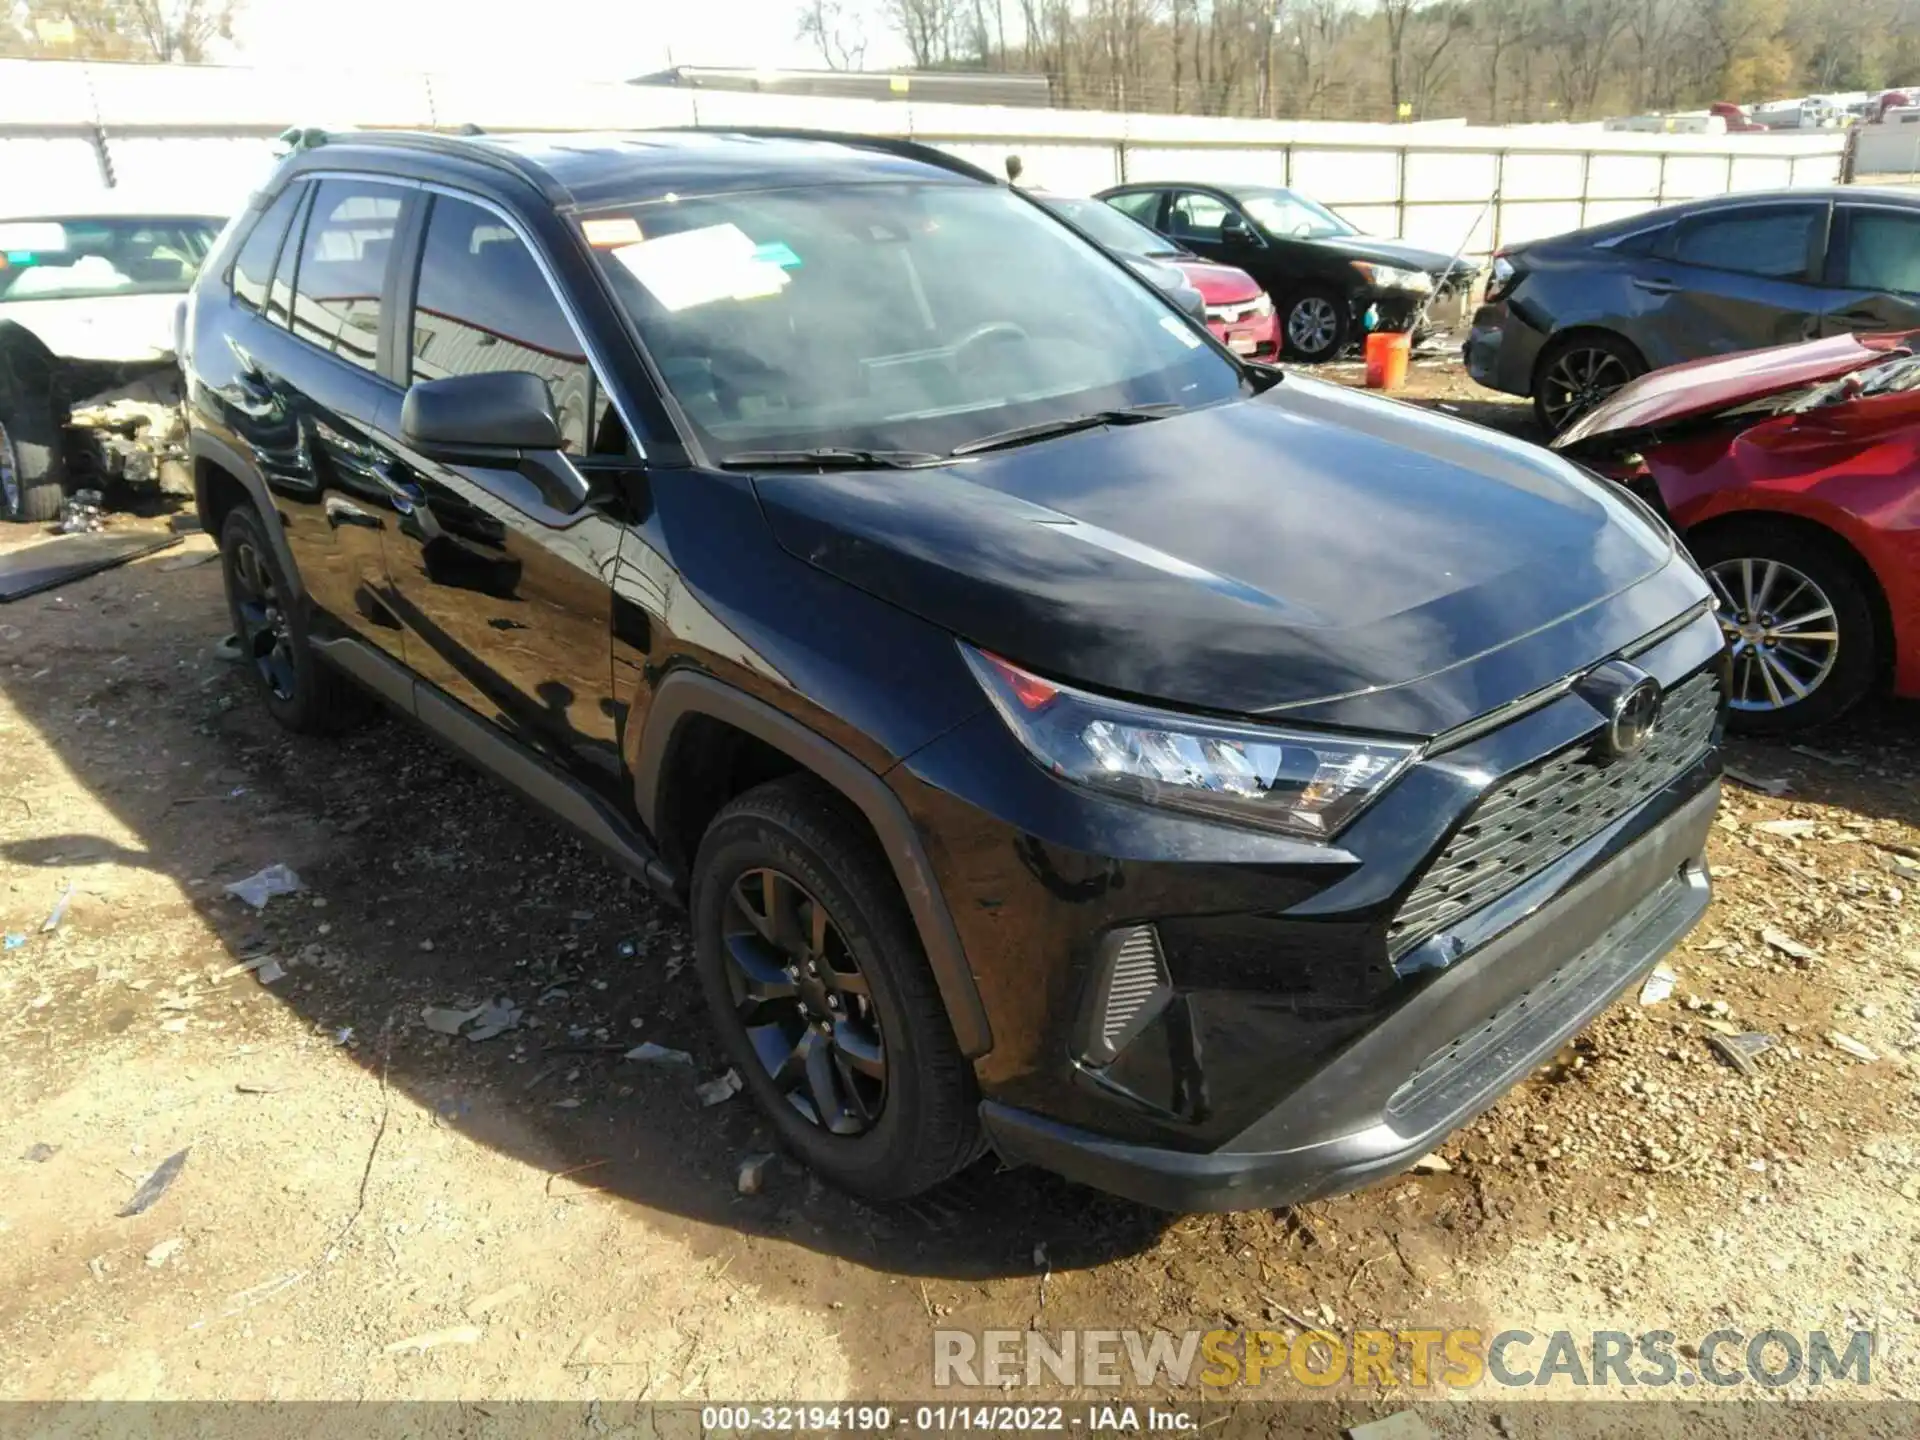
[[1392, 277], [1262, 306], [1303, 782]]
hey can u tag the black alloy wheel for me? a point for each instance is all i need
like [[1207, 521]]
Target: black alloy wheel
[[806, 1007], [1578, 375], [266, 636], [822, 996]]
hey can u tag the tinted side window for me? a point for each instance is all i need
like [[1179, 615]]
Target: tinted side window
[[1883, 251], [343, 267], [1778, 244], [483, 304], [1647, 242], [280, 294], [1195, 217], [1143, 205], [254, 266]]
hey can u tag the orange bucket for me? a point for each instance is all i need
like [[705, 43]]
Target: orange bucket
[[1387, 353]]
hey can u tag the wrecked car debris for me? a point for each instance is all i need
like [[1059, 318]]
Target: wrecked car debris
[[261, 886], [155, 1185]]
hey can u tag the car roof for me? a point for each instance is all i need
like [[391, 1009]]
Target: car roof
[[586, 170], [94, 204]]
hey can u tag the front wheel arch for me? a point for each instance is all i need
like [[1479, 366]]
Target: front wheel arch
[[687, 695]]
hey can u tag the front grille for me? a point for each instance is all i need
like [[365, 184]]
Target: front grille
[[1236, 314], [1534, 817]]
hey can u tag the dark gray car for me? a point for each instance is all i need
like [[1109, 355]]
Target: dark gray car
[[1570, 320]]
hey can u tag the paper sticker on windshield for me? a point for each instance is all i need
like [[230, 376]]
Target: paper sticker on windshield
[[697, 267], [1177, 328], [609, 231], [24, 237], [777, 252]]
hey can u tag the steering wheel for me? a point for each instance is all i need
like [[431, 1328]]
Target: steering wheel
[[1001, 330]]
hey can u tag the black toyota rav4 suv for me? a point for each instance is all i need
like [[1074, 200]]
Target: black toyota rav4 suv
[[1210, 785]]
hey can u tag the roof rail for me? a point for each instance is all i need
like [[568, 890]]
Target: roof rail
[[461, 147], [886, 144]]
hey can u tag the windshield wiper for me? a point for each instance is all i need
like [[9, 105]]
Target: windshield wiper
[[826, 457], [1066, 425]]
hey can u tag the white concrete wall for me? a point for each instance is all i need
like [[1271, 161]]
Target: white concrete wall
[[210, 129]]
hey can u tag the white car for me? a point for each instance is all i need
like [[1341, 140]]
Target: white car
[[89, 386]]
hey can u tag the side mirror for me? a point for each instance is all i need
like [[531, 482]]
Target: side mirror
[[464, 415], [503, 420], [1236, 232]]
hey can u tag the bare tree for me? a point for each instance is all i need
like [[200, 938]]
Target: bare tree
[[835, 32], [163, 30], [927, 27]]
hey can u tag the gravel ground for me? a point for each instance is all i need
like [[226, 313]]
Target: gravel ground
[[561, 1222]]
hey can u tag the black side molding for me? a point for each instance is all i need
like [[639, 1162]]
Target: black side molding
[[688, 692], [490, 748]]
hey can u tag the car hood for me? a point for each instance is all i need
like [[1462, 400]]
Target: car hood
[[1221, 284], [126, 328], [1391, 252], [1699, 388], [1311, 552]]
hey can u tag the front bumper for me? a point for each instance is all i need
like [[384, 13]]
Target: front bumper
[[1435, 1063]]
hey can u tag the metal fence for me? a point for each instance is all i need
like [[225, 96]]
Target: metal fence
[[207, 134]]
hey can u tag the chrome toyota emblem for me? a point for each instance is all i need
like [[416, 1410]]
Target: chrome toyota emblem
[[1630, 700], [1635, 712]]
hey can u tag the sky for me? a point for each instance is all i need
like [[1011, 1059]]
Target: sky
[[593, 39]]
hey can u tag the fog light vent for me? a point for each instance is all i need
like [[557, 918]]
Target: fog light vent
[[1130, 987]]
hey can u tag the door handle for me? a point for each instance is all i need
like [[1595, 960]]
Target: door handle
[[1655, 286], [1859, 317]]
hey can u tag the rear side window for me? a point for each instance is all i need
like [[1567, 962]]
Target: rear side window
[[484, 304], [1196, 217], [1143, 206], [1883, 251], [280, 295], [343, 267], [1779, 244], [1645, 242], [253, 268]]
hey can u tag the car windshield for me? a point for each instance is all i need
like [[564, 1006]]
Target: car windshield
[[1112, 229], [890, 316], [1291, 215], [86, 257]]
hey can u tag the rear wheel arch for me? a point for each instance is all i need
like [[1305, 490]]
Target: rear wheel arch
[[1561, 341], [223, 481], [704, 742]]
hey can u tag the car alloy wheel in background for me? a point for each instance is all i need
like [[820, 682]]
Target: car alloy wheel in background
[[1313, 326], [804, 1003], [1782, 629], [1577, 379]]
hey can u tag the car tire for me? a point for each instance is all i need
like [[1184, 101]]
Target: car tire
[[1824, 575], [806, 1046], [33, 472], [301, 691], [1316, 324], [1576, 372]]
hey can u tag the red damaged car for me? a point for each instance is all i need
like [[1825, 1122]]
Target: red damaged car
[[1237, 310], [1794, 476]]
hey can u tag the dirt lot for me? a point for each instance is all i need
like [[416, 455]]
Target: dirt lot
[[565, 1221]]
